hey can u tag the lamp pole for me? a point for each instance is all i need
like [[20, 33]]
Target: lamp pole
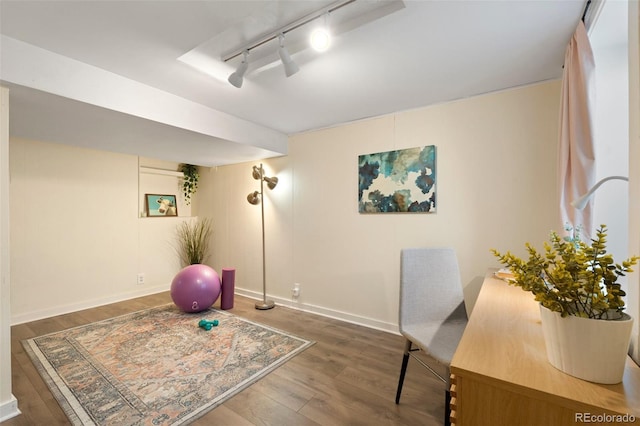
[[265, 304]]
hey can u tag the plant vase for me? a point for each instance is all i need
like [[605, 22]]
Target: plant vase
[[590, 349]]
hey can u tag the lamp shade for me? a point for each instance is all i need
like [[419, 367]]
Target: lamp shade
[[254, 198], [256, 173], [271, 182]]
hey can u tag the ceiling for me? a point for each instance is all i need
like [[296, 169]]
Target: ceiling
[[123, 76]]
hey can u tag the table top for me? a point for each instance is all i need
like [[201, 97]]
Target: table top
[[503, 344]]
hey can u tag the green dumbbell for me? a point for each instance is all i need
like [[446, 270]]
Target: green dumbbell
[[207, 325]]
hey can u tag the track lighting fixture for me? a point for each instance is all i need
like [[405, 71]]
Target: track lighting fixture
[[237, 77], [290, 67], [320, 40], [320, 37]]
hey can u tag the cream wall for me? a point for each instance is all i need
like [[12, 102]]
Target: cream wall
[[76, 236], [8, 403], [496, 162], [78, 241]]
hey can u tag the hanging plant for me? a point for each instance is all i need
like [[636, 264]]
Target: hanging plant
[[190, 182]]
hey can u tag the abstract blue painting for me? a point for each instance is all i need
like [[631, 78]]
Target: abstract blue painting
[[398, 181]]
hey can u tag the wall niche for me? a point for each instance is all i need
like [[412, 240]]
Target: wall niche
[[160, 177]]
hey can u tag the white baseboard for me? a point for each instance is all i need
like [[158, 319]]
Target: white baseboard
[[9, 409], [290, 303], [74, 307], [325, 312]]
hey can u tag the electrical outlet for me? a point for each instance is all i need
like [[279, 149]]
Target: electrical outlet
[[140, 279], [295, 291]]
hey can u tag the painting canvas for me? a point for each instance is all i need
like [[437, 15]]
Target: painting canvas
[[160, 205], [398, 181]]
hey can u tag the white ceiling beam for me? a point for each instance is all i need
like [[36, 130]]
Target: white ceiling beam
[[40, 69]]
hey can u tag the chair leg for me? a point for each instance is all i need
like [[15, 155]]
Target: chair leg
[[403, 369], [447, 408]]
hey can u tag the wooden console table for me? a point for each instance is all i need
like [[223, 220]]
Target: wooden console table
[[500, 374]]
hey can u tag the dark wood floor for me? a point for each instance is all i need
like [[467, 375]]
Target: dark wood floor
[[348, 377]]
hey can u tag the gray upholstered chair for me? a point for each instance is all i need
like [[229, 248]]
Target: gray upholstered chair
[[432, 310]]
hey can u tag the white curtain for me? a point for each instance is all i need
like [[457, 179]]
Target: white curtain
[[576, 153]]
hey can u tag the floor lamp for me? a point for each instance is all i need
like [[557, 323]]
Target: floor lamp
[[256, 197]]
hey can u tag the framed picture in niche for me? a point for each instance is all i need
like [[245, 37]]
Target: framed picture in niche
[[400, 181], [160, 205]]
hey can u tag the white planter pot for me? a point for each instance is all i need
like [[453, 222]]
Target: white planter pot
[[589, 349]]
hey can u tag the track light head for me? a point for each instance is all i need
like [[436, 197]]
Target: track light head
[[237, 78], [320, 39], [321, 36], [290, 67]]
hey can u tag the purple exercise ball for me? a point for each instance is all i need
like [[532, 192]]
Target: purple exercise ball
[[195, 288]]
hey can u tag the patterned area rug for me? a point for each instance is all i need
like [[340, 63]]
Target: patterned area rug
[[156, 367]]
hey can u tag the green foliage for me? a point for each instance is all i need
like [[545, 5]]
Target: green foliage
[[193, 241], [571, 277], [190, 182]]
